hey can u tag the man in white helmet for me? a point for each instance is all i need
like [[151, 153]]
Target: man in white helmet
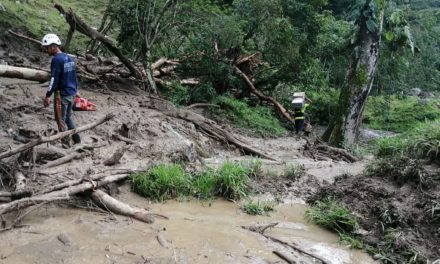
[[63, 84]]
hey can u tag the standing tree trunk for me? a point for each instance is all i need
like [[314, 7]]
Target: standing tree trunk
[[344, 127]]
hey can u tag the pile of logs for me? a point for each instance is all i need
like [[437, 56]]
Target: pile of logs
[[22, 197]]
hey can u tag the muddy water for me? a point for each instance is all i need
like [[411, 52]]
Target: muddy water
[[194, 233]]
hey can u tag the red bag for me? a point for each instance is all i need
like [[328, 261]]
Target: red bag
[[82, 104]]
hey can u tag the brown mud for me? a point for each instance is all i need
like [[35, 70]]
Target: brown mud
[[400, 216], [196, 232]]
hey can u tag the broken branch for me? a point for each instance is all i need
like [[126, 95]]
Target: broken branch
[[42, 140]]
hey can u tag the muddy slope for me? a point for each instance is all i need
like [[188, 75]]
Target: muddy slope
[[400, 217]]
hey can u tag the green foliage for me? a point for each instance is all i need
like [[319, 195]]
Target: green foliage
[[351, 241], [329, 214], [391, 146], [424, 141], [40, 17], [258, 208], [259, 120], [398, 114], [294, 172], [162, 182], [233, 181], [204, 184]]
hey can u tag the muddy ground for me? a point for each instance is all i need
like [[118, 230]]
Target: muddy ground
[[196, 232], [398, 208]]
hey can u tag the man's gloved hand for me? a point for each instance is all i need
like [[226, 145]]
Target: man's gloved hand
[[46, 101]]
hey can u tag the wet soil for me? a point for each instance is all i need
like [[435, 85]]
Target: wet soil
[[401, 218]]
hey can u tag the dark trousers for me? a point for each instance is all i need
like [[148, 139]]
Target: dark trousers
[[299, 125]]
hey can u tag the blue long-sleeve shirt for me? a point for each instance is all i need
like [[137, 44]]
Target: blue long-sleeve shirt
[[63, 75]]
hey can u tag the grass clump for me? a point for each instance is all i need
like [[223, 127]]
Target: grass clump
[[330, 214], [391, 146], [259, 120], [258, 208], [233, 181], [204, 184], [162, 182], [294, 172]]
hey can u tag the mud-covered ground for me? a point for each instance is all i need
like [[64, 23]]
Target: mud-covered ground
[[399, 211], [195, 232]]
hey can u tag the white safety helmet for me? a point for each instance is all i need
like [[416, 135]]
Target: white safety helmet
[[49, 39]]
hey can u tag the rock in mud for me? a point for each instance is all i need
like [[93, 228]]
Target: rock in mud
[[65, 239]]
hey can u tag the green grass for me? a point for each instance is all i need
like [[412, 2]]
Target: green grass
[[331, 215], [162, 182], [233, 181], [398, 114], [258, 207], [204, 184], [423, 142], [259, 120], [40, 17]]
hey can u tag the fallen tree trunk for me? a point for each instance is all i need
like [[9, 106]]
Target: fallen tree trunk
[[75, 22], [78, 181], [24, 73], [62, 194], [62, 160], [278, 107], [42, 140], [207, 125], [118, 207]]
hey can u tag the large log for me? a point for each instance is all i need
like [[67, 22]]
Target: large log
[[121, 208], [60, 194], [42, 140], [24, 73]]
